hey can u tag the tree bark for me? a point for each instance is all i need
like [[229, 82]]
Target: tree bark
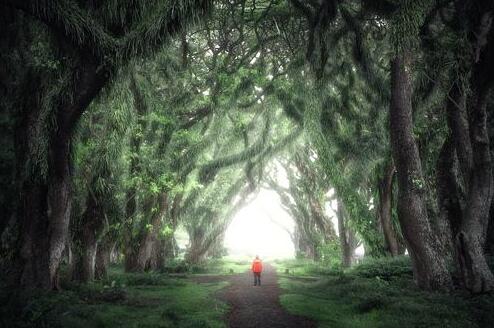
[[85, 240], [448, 197], [103, 258], [145, 253], [489, 244], [385, 209], [196, 251], [468, 124], [347, 236], [44, 215], [429, 267], [45, 199], [471, 236]]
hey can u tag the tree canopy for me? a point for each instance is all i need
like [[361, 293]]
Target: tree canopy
[[123, 122]]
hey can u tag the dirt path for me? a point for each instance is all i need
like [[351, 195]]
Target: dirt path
[[254, 306]]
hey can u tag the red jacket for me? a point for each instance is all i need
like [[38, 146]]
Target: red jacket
[[257, 265]]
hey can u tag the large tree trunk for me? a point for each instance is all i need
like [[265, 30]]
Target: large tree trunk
[[158, 255], [471, 236], [323, 223], [216, 250], [45, 203], [448, 197], [146, 252], [85, 240], [103, 257], [385, 209], [44, 218], [32, 261], [346, 235], [297, 241], [429, 267], [310, 237], [196, 252], [468, 124], [200, 243], [489, 243]]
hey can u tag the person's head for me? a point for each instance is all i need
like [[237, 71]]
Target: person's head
[[257, 257]]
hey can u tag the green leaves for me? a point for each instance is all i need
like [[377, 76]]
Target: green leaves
[[153, 188]]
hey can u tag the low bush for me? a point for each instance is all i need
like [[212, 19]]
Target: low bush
[[307, 267], [370, 303], [176, 266], [385, 268]]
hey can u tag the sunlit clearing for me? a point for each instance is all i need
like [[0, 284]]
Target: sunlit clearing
[[261, 228]]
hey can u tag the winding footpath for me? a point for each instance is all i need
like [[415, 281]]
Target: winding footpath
[[256, 306]]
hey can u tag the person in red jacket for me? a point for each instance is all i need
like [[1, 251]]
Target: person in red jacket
[[257, 269]]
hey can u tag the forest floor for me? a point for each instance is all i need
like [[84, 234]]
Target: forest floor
[[131, 300], [255, 306], [378, 293]]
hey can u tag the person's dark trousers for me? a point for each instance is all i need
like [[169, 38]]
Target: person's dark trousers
[[257, 278]]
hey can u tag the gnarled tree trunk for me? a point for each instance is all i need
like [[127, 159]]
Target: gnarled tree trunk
[[489, 243], [45, 204], [385, 209], [467, 122], [348, 240], [85, 240], [145, 255], [103, 257], [429, 267], [197, 250], [448, 197], [44, 214]]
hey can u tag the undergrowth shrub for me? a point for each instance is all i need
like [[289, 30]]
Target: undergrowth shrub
[[176, 266], [34, 308], [309, 267], [370, 303], [385, 268]]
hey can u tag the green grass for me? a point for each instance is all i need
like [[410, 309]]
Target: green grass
[[223, 266], [377, 293], [380, 293], [304, 267], [124, 300]]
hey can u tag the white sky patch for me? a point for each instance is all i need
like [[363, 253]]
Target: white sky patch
[[206, 92], [253, 232], [182, 238], [253, 60]]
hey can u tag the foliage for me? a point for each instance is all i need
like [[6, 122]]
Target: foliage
[[383, 268], [307, 268]]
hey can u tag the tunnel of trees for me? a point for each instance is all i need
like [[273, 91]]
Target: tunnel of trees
[[123, 121]]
